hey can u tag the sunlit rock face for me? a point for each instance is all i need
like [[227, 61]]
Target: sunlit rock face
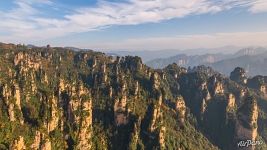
[[37, 141], [162, 134], [217, 86], [46, 145], [231, 100], [156, 114], [18, 144], [155, 80], [180, 108]]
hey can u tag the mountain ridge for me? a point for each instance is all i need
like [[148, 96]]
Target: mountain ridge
[[224, 63]]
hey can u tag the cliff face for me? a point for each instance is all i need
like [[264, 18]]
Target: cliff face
[[247, 124], [54, 98], [180, 108]]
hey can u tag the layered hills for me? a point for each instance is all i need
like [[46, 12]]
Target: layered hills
[[253, 59]]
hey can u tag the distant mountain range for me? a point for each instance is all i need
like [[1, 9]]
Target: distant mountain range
[[253, 59], [148, 55]]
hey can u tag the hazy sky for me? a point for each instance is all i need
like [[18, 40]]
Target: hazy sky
[[134, 24]]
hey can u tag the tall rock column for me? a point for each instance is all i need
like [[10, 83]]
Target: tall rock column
[[180, 108], [246, 126], [18, 144], [85, 133]]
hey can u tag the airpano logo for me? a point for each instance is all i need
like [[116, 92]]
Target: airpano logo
[[248, 143]]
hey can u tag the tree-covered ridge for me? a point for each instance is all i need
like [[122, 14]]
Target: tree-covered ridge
[[55, 98]]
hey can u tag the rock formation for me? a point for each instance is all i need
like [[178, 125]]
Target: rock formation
[[246, 127], [18, 144], [56, 98], [180, 108], [239, 75]]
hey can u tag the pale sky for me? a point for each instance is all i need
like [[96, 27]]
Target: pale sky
[[134, 24]]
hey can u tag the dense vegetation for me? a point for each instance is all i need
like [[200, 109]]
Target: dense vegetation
[[55, 98]]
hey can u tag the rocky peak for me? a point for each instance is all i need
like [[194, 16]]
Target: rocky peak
[[217, 85], [239, 75], [258, 83], [175, 70], [218, 88]]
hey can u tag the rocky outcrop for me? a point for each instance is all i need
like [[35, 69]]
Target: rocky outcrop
[[155, 118], [27, 62], [246, 127], [11, 112], [218, 88], [239, 75], [204, 96], [16, 93], [85, 133], [135, 135], [136, 90], [41, 142], [37, 141], [263, 89], [12, 99], [230, 101], [155, 80], [258, 83], [230, 107], [54, 116], [120, 112], [46, 145], [18, 144], [104, 73], [162, 133], [110, 92], [216, 85], [242, 93], [180, 108], [120, 109]]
